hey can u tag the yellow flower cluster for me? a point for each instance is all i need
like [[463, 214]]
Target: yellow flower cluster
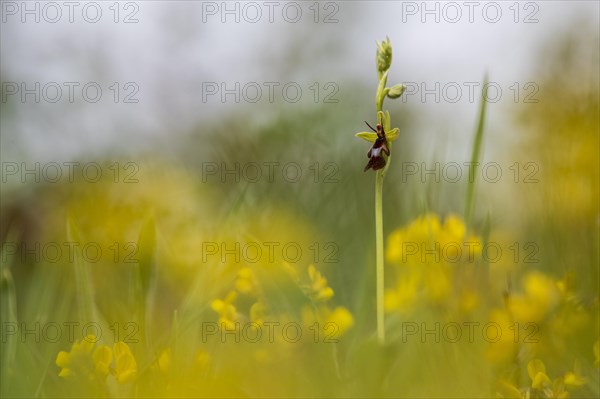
[[319, 288], [547, 310], [542, 386], [428, 256], [540, 295], [426, 240], [88, 362], [315, 289], [226, 310], [174, 379]]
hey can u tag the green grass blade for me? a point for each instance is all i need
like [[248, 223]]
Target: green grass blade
[[8, 299], [83, 284], [146, 276], [485, 270], [84, 287], [476, 154]]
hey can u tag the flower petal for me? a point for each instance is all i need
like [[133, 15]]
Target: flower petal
[[63, 359], [342, 319], [575, 380], [369, 136], [65, 373], [540, 381], [534, 367], [103, 358], [392, 134], [387, 125], [125, 364]]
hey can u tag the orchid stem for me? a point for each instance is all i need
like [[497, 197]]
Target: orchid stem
[[379, 254], [379, 265]]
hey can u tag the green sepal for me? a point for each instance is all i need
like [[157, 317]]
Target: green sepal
[[369, 136], [392, 134]]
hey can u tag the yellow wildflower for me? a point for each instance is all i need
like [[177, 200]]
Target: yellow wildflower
[[438, 284], [426, 240], [453, 230], [539, 297], [318, 285], [202, 360], [403, 297], [394, 251], [422, 230], [507, 390], [125, 364], [334, 322], [85, 362], [246, 282], [502, 349], [164, 361], [102, 359], [575, 380], [537, 372], [342, 318], [425, 228], [228, 314]]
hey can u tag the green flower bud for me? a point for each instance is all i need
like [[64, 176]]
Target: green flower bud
[[384, 56], [396, 91]]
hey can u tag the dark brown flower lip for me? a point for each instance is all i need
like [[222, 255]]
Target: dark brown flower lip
[[378, 149]]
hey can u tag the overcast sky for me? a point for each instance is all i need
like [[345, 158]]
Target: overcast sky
[[170, 56]]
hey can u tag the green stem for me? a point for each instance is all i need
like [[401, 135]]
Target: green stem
[[379, 254], [379, 270]]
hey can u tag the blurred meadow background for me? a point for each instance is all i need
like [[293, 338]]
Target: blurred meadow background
[[184, 211]]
